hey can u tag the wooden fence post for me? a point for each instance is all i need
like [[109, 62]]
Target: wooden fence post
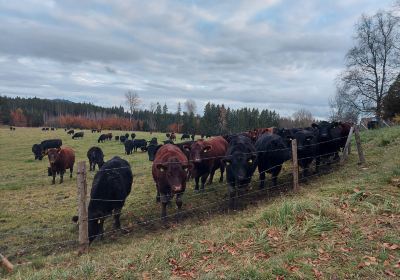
[[361, 156], [82, 208], [9, 266], [347, 146], [295, 163]]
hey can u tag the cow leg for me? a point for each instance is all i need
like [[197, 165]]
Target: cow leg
[[101, 231], [70, 172], [117, 223], [164, 211], [54, 176], [179, 203], [262, 179], [232, 195], [203, 181], [62, 176], [196, 179], [317, 164], [275, 174], [222, 169], [212, 172], [158, 196]]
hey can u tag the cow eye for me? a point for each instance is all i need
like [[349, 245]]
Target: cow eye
[[205, 150], [162, 169], [249, 161]]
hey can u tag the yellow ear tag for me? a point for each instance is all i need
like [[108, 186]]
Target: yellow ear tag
[[250, 161], [98, 221], [228, 163]]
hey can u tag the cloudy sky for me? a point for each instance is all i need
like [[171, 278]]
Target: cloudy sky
[[275, 54]]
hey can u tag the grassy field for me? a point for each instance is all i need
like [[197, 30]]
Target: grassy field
[[343, 224]]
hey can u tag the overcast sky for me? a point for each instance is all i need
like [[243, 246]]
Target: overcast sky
[[275, 54]]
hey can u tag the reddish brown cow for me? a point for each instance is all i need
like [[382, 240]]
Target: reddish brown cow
[[257, 132], [172, 137], [60, 159], [170, 171], [206, 157]]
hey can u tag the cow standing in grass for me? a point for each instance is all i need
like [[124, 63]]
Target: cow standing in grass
[[95, 156], [60, 160]]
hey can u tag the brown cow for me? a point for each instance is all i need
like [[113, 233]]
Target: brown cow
[[172, 137], [257, 132], [170, 170], [60, 159], [206, 157]]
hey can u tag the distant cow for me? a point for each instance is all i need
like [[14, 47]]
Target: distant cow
[[192, 137], [185, 136], [153, 141], [240, 162], [168, 135], [172, 137], [60, 160], [116, 138], [102, 138], [52, 128], [139, 143], [39, 150], [95, 156], [133, 135], [307, 148], [70, 132], [111, 186], [170, 169], [272, 153], [128, 146], [122, 138], [329, 140], [109, 136], [168, 141], [152, 150], [126, 135], [94, 130], [206, 156], [78, 135]]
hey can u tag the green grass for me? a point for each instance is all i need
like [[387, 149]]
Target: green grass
[[328, 227]]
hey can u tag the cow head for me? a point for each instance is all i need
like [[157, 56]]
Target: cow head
[[304, 139], [95, 226], [241, 166], [324, 129], [152, 150], [174, 173], [37, 151], [53, 154], [198, 150]]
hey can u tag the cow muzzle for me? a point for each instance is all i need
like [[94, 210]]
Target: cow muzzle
[[176, 188], [198, 160]]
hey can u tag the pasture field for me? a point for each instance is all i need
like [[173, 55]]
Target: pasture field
[[343, 224]]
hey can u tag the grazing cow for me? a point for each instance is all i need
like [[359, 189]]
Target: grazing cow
[[102, 138], [95, 156], [11, 128], [43, 129], [329, 140], [78, 135], [240, 162], [94, 130], [208, 136], [206, 156], [52, 129], [139, 143], [202, 136], [307, 147], [185, 136], [122, 138], [152, 150], [47, 128], [65, 129], [128, 146], [109, 136], [168, 135], [111, 186], [192, 137], [153, 141], [170, 170], [70, 132], [172, 137], [99, 131], [116, 138], [272, 153], [133, 135], [60, 160], [126, 135], [39, 150]]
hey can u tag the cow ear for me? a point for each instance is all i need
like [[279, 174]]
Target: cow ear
[[161, 167], [207, 148]]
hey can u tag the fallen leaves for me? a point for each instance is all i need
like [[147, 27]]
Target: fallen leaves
[[317, 273], [391, 246]]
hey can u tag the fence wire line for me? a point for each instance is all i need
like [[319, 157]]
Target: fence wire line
[[247, 193]]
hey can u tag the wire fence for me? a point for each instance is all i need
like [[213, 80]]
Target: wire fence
[[220, 199]]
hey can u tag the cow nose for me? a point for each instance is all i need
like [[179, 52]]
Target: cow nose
[[177, 188], [197, 160]]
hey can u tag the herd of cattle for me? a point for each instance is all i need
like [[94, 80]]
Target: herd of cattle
[[173, 164]]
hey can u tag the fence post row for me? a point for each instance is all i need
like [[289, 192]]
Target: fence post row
[[296, 186], [346, 149], [361, 156], [82, 208]]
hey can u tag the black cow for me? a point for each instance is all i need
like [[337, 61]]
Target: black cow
[[102, 138], [70, 132], [168, 135], [94, 130], [240, 162], [182, 147], [116, 138], [111, 185], [307, 147], [153, 141], [52, 128], [168, 141], [329, 140], [185, 136], [152, 150], [78, 135], [95, 156], [133, 135], [139, 143], [272, 153], [39, 150], [126, 135], [122, 138], [128, 146], [192, 137]]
